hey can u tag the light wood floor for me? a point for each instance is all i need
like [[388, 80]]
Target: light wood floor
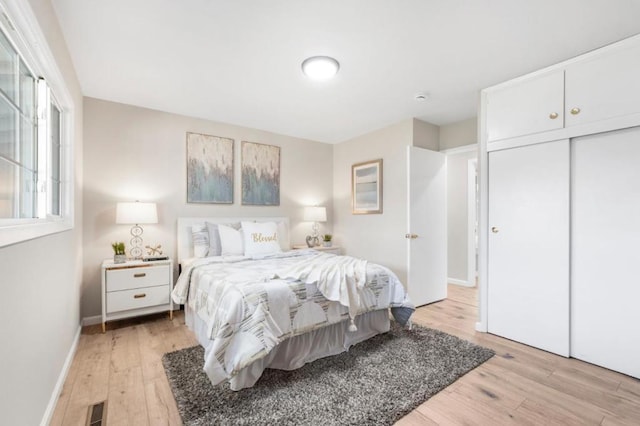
[[520, 385]]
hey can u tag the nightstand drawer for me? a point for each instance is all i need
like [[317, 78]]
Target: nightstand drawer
[[137, 298], [132, 278], [329, 250]]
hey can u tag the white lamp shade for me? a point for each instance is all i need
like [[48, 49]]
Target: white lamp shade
[[137, 212], [315, 214]]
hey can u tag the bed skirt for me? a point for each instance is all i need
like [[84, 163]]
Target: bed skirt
[[298, 350]]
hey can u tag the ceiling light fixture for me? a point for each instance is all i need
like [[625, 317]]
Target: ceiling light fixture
[[320, 67]]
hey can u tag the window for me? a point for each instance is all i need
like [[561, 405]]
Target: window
[[35, 174], [49, 154], [53, 200], [18, 148]]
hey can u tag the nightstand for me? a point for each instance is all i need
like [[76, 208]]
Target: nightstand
[[136, 288], [331, 250]]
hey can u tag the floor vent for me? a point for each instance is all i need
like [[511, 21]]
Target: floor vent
[[97, 414]]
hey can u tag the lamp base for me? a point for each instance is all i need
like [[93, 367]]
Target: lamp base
[[136, 242], [312, 241]]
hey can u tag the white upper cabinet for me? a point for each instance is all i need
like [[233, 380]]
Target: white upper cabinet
[[531, 106], [605, 87], [590, 89]]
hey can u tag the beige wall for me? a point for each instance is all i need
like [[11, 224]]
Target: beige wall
[[426, 135], [459, 134], [41, 282], [135, 153], [376, 237]]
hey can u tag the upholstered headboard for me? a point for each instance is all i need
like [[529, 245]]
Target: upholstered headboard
[[185, 242]]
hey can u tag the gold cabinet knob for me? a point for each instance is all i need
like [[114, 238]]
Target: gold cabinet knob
[[553, 115], [494, 230], [575, 111], [410, 236]]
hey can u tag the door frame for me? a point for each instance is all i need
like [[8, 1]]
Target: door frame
[[473, 196], [472, 221]]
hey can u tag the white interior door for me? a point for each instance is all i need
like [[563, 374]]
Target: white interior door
[[528, 256], [427, 225], [605, 244]]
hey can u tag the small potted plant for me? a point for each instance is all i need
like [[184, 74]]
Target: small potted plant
[[326, 240], [119, 255]]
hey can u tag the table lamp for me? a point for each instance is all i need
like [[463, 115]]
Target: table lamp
[[314, 214], [136, 213]]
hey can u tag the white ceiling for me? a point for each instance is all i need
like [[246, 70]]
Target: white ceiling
[[239, 61]]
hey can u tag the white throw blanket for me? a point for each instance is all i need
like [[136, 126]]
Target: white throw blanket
[[247, 312], [339, 278]]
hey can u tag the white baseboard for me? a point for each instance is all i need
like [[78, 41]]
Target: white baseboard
[[48, 413], [96, 319], [456, 281]]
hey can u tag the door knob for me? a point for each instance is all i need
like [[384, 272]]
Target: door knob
[[494, 230], [410, 236]]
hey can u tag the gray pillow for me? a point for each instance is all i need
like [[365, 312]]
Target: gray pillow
[[200, 237]]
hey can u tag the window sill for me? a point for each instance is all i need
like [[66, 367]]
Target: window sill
[[13, 234]]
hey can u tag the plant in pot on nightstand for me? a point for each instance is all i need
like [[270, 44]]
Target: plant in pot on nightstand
[[119, 255], [326, 240]]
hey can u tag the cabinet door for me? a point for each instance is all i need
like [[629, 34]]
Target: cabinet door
[[526, 107], [605, 243], [602, 88], [528, 270]]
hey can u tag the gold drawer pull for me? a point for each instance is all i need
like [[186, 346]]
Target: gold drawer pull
[[553, 115], [575, 111], [139, 296], [140, 275]]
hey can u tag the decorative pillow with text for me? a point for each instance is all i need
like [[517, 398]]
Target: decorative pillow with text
[[260, 238]]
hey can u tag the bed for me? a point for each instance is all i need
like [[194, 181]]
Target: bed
[[253, 303]]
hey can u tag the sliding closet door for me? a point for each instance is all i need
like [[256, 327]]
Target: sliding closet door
[[605, 288], [528, 270]]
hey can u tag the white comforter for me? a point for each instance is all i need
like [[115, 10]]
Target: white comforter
[[252, 305]]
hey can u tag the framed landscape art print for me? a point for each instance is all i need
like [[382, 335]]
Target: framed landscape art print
[[366, 187], [260, 174], [209, 169]]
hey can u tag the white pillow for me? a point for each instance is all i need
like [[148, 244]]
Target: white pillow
[[215, 248], [200, 237], [260, 238], [231, 243]]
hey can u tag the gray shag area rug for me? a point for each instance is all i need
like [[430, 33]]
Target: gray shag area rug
[[376, 382]]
